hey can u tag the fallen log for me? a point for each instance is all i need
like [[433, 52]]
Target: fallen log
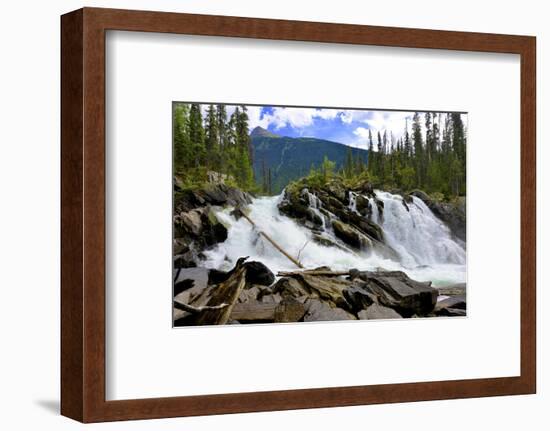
[[226, 293], [254, 311], [196, 310], [214, 305], [288, 310], [267, 237]]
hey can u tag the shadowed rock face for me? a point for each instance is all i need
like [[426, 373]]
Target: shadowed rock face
[[396, 290], [196, 226]]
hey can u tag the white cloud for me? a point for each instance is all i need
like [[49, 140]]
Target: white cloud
[[254, 120], [362, 140], [395, 122], [361, 132], [294, 117]]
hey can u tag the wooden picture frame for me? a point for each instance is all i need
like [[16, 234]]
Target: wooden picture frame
[[83, 334]]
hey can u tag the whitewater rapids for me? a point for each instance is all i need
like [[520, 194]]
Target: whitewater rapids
[[426, 249]]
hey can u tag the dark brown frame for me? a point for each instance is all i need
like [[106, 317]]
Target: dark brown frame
[[83, 214]]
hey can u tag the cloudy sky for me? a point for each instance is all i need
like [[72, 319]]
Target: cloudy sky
[[346, 126]]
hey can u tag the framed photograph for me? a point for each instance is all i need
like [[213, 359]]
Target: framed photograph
[[267, 215]]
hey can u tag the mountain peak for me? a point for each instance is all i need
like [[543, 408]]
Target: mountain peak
[[261, 132]]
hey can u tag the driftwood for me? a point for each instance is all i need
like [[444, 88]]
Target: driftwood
[[225, 293], [214, 305], [288, 310], [273, 243], [254, 311], [197, 310]]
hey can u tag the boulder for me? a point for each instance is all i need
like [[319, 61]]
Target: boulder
[[363, 205], [327, 288], [336, 188], [327, 242], [358, 298], [198, 228], [189, 283], [290, 287], [458, 301], [320, 311], [333, 204], [258, 273], [396, 290], [289, 310], [367, 188], [376, 311], [192, 221], [250, 294], [213, 194], [179, 246], [368, 227], [350, 235], [452, 312]]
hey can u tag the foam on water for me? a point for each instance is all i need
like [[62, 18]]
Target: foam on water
[[424, 244]]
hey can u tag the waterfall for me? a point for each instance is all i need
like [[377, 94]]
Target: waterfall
[[353, 202], [423, 243], [416, 233], [315, 205]]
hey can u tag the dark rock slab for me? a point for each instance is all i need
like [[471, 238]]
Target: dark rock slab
[[249, 295], [327, 288], [396, 290], [363, 205], [453, 289], [289, 310], [376, 311], [258, 273], [290, 287], [350, 235], [189, 283], [320, 311], [452, 312], [358, 298], [458, 301]]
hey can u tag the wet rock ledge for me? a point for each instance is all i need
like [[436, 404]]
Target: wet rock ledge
[[195, 224]]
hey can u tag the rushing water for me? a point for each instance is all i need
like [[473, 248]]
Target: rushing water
[[424, 244]]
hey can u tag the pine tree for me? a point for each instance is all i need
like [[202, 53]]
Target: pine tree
[[370, 155], [380, 160], [348, 164], [418, 150], [182, 144], [459, 151], [196, 134], [407, 151], [212, 139], [221, 119]]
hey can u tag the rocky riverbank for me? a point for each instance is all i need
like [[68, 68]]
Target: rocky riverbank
[[251, 293]]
